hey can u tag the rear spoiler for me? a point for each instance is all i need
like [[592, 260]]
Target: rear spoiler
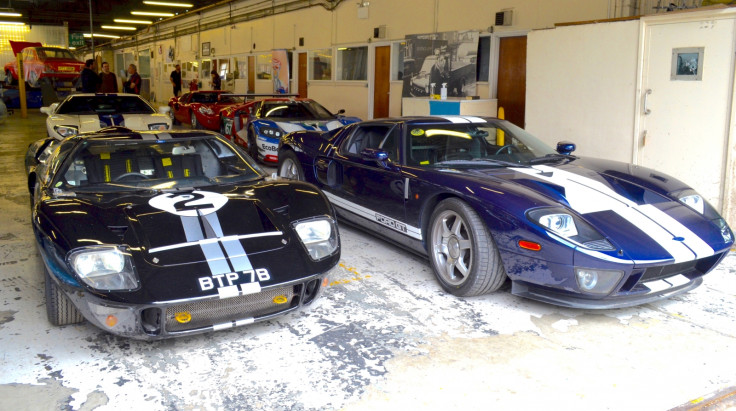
[[238, 113], [18, 46], [258, 95]]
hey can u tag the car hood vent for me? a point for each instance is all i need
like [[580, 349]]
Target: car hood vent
[[118, 230]]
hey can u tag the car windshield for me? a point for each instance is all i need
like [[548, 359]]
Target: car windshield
[[112, 165], [230, 100], [295, 110], [105, 104], [54, 53], [470, 145], [208, 98]]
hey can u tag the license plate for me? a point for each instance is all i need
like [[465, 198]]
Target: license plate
[[66, 68]]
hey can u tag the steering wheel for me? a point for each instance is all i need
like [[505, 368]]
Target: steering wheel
[[131, 174], [507, 147]]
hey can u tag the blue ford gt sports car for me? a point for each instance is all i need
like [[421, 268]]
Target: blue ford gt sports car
[[483, 199]]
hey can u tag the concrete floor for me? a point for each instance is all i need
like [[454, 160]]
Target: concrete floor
[[383, 335]]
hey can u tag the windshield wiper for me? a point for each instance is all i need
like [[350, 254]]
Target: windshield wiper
[[551, 158]]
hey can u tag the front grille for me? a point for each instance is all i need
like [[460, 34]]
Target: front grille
[[690, 269], [209, 312]]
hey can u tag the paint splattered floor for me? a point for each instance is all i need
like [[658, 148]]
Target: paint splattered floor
[[382, 335]]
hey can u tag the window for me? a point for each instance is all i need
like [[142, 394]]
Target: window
[[370, 136], [484, 51], [320, 64], [263, 66], [397, 60], [352, 63], [144, 63]]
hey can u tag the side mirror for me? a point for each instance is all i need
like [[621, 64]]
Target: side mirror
[[50, 109], [341, 111], [374, 154], [164, 109], [565, 147]]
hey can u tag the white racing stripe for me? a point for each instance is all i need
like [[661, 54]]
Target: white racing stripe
[[369, 214], [587, 196]]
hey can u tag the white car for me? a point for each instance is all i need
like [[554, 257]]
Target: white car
[[81, 113]]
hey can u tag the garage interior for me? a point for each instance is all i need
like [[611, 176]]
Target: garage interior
[[384, 334]]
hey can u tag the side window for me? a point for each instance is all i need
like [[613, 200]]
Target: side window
[[369, 136]]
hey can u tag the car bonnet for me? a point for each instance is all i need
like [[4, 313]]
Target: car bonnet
[[648, 226]]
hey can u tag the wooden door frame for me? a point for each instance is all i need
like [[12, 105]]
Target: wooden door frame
[[495, 49], [372, 74]]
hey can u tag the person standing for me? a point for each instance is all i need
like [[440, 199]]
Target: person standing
[[175, 78], [216, 83], [108, 80], [89, 78], [133, 84]]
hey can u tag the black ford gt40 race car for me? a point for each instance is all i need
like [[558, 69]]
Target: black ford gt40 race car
[[160, 234]]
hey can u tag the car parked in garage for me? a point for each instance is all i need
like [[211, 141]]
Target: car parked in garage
[[42, 64], [152, 235], [259, 125], [485, 200], [85, 112], [201, 109]]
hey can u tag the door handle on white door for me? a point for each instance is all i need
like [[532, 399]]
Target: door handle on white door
[[646, 101]]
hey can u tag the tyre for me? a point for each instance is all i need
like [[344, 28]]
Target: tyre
[[462, 252], [9, 78], [174, 121], [252, 145], [290, 166], [195, 122], [59, 308], [222, 126]]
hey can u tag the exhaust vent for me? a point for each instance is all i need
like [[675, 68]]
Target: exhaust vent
[[503, 18]]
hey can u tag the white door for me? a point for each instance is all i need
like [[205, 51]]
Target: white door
[[685, 118]]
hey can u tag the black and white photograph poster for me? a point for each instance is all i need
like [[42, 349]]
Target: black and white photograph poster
[[434, 59]]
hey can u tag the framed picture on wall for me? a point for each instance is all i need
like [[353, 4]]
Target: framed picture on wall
[[206, 49], [687, 63]]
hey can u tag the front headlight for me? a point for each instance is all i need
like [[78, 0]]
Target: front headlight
[[66, 131], [319, 237], [271, 132], [571, 227], [725, 230], [158, 126], [206, 110], [693, 200], [104, 267]]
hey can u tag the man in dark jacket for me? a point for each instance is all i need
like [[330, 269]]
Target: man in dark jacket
[[133, 84], [89, 78], [108, 81], [175, 79]]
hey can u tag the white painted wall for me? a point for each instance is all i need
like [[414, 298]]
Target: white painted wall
[[321, 28], [581, 87]]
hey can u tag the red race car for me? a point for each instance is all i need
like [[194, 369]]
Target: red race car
[[42, 64], [201, 109], [259, 125]]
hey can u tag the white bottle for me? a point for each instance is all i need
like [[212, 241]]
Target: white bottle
[[443, 92]]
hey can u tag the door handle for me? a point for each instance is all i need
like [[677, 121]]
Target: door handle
[[646, 101]]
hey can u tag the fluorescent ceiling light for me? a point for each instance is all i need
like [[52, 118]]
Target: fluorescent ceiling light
[[165, 3], [10, 14], [132, 21], [118, 28], [151, 13], [108, 36], [12, 23]]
